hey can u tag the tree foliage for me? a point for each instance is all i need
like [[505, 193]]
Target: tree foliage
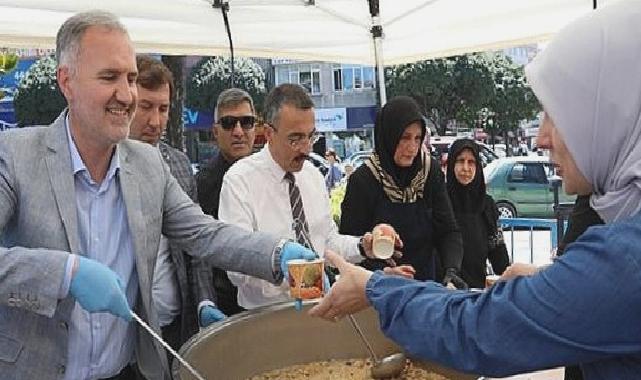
[[211, 75], [445, 88], [477, 89], [38, 100], [8, 62], [513, 99]]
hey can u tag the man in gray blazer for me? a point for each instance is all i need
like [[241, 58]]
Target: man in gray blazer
[[81, 213]]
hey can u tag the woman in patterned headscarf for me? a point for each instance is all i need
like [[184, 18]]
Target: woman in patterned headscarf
[[402, 186]]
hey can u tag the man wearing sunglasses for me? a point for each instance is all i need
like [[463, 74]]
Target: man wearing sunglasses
[[234, 133], [278, 191]]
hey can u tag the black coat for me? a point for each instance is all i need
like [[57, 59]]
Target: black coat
[[210, 182], [366, 205], [477, 228]]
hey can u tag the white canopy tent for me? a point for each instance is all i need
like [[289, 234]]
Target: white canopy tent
[[328, 30]]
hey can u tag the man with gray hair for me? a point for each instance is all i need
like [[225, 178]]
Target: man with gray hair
[[83, 209], [234, 131], [278, 191]]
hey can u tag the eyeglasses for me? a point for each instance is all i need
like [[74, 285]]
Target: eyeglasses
[[229, 122], [299, 140]]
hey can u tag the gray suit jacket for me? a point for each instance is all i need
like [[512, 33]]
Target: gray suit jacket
[[38, 229]]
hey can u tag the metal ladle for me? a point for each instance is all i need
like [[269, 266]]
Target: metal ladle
[[389, 366]]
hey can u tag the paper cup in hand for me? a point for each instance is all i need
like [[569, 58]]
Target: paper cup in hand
[[383, 241], [306, 279], [491, 279]]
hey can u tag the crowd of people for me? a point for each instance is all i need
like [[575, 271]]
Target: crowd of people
[[100, 218]]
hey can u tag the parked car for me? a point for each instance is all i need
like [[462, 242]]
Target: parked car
[[441, 146], [522, 186]]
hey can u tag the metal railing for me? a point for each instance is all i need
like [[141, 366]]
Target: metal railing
[[556, 226], [526, 223]]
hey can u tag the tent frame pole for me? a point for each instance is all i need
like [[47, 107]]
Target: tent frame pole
[[377, 36]]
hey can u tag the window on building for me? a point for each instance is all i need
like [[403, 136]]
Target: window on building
[[358, 78], [282, 75], [348, 79], [305, 80], [352, 77], [368, 77], [316, 88], [293, 77], [338, 79], [307, 76]]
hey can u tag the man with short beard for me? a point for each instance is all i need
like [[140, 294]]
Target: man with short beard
[[267, 190], [180, 309]]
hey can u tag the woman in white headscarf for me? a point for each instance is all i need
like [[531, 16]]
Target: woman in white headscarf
[[585, 308]]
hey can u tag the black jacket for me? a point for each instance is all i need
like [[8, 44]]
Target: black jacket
[[477, 230], [365, 195], [210, 181]]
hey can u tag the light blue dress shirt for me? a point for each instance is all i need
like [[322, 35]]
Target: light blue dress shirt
[[100, 344]]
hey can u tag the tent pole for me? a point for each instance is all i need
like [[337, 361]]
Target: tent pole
[[224, 8], [377, 35], [594, 4], [380, 69]]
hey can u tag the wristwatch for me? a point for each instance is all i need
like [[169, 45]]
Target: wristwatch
[[361, 248], [276, 258]]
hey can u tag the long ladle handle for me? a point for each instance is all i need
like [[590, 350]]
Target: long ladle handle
[[164, 344], [360, 333]]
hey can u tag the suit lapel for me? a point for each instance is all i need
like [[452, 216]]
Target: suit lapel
[[130, 186], [58, 161]]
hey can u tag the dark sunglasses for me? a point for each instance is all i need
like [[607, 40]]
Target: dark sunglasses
[[229, 122]]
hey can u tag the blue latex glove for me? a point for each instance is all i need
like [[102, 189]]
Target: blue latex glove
[[293, 251], [210, 314], [99, 289]]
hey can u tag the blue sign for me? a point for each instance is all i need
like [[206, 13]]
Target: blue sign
[[361, 117], [10, 80], [195, 120]]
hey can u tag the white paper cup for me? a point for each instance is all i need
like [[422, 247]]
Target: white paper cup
[[306, 279], [383, 241]]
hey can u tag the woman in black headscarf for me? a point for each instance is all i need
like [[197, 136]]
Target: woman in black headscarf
[[476, 214], [402, 186]]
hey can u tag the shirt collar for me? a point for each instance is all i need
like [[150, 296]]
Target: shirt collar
[[78, 165], [272, 166]]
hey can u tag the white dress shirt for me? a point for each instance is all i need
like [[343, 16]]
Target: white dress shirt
[[255, 196]]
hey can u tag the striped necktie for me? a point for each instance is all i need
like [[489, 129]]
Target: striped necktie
[[298, 213]]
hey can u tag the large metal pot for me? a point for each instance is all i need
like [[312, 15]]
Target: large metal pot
[[278, 336]]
